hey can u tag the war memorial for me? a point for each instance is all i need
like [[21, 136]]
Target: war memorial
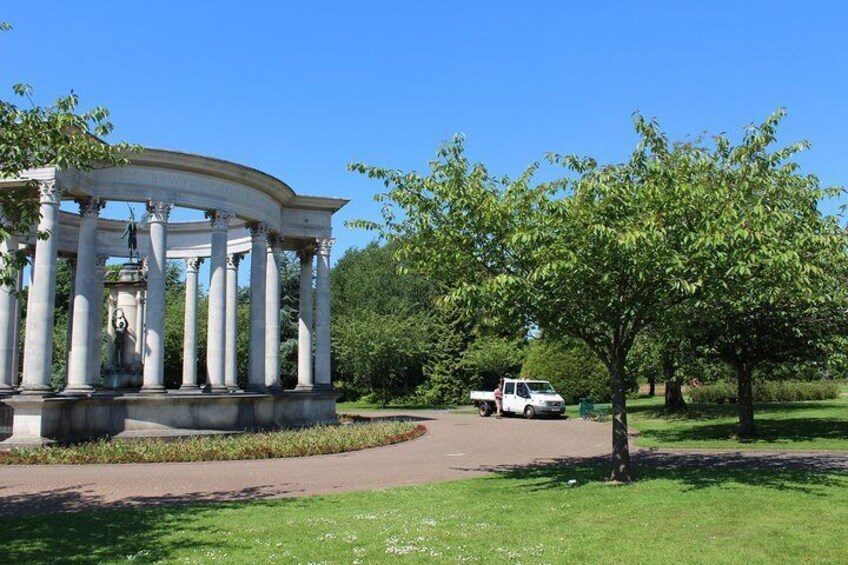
[[250, 215]]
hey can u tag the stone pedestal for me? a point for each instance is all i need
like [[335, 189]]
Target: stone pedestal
[[124, 363], [41, 420]]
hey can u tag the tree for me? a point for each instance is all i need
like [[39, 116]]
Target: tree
[[366, 284], [41, 136], [597, 256], [376, 351], [773, 266]]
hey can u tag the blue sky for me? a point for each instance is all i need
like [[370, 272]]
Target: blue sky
[[300, 89]]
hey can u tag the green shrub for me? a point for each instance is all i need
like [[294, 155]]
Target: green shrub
[[570, 366], [768, 391]]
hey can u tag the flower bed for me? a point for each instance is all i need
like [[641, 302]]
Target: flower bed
[[317, 440]]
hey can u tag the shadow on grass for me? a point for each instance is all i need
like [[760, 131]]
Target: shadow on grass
[[144, 535], [768, 431], [784, 471], [713, 411]]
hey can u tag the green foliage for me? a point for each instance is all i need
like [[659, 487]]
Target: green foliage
[[734, 232], [367, 291], [570, 366], [368, 279], [597, 256], [771, 265], [378, 353], [768, 391], [448, 381], [316, 440], [490, 358]]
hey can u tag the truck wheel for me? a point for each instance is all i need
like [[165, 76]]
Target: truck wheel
[[485, 409], [529, 412]]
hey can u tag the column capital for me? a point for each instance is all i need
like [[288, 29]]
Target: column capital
[[233, 260], [219, 219], [193, 264], [100, 261], [324, 245], [305, 254], [90, 207], [258, 230], [275, 241], [49, 192], [159, 211]]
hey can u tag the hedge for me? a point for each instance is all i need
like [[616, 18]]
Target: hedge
[[767, 391]]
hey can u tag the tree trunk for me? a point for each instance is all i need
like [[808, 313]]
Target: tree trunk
[[620, 447], [673, 395], [652, 385], [745, 401]]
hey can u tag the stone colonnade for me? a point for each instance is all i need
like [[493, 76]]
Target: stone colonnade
[[83, 376]]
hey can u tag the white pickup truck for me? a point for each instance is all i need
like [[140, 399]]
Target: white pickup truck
[[521, 396]]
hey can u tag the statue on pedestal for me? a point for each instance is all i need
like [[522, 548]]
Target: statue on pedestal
[[131, 235]]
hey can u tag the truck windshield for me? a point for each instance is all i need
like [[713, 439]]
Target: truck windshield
[[540, 387]]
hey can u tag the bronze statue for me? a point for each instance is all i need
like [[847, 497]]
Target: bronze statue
[[121, 325], [131, 235]]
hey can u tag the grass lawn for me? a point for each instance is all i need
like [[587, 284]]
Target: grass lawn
[[780, 425], [717, 515]]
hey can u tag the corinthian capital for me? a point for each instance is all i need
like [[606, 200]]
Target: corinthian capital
[[49, 192], [275, 241], [220, 220], [324, 245], [193, 264], [90, 207], [258, 230], [159, 211], [233, 260]]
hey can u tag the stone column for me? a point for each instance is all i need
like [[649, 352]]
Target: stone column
[[16, 332], [231, 344], [322, 323], [154, 337], [190, 334], [69, 331], [258, 243], [96, 335], [216, 337], [8, 315], [305, 379], [272, 314], [38, 350], [139, 323], [85, 299]]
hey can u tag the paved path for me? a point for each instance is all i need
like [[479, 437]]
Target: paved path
[[456, 446]]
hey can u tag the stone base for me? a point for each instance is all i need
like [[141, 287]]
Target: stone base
[[41, 420], [122, 380]]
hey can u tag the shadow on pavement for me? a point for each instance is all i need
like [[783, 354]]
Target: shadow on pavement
[[83, 498]]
